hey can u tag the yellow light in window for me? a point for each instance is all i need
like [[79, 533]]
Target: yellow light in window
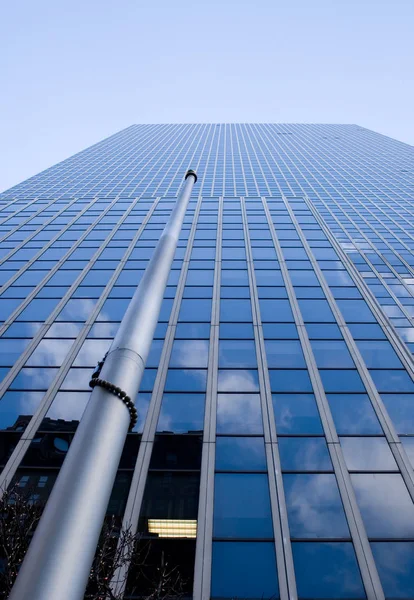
[[169, 528]]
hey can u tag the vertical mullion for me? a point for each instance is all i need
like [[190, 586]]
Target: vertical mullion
[[204, 543]]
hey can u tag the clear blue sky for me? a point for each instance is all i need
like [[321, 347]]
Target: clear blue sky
[[75, 71]]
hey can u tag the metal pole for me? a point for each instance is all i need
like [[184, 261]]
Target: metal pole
[[58, 561]]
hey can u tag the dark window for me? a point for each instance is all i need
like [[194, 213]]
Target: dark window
[[395, 564], [242, 506], [233, 564], [181, 413], [327, 570]]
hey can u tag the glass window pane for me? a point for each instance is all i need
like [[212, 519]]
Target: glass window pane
[[368, 454], [296, 413], [236, 331], [192, 331], [233, 565], [283, 353], [235, 310], [237, 353], [342, 381], [408, 444], [236, 277], [239, 413], [355, 311], [304, 454], [332, 354], [188, 380], [307, 278], [50, 353], [79, 310], [275, 311], [392, 381], [321, 331], [193, 310], [340, 278], [31, 378], [353, 414], [385, 505], [401, 410], [38, 310], [16, 408], [240, 454], [290, 381], [327, 570], [283, 331], [181, 413], [378, 355], [316, 311], [91, 352], [242, 506], [189, 353], [314, 507], [395, 564], [10, 350], [366, 331], [240, 380]]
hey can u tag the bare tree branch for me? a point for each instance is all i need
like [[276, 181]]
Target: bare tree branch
[[20, 511]]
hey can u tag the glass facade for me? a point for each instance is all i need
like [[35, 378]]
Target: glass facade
[[274, 450]]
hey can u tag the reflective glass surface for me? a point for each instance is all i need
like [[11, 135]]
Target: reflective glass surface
[[181, 413], [353, 414], [395, 564], [304, 454], [242, 506], [327, 570], [314, 507], [296, 413], [385, 505], [240, 454], [239, 414], [368, 454], [233, 565]]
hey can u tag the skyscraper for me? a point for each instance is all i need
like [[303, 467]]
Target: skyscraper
[[274, 450]]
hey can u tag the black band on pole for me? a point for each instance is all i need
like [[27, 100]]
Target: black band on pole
[[191, 172], [116, 391]]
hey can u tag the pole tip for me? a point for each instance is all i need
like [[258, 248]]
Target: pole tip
[[191, 172]]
